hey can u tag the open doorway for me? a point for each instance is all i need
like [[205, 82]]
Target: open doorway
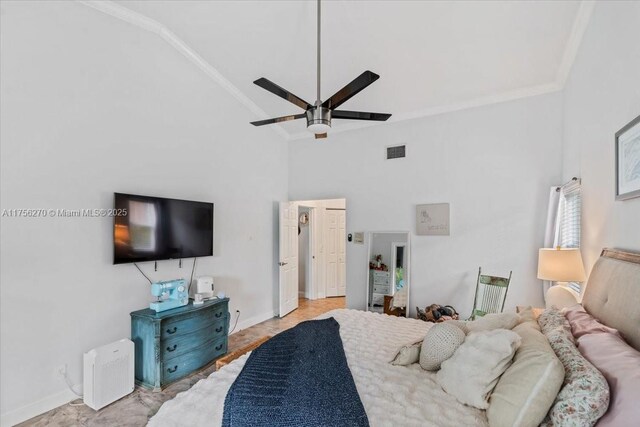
[[318, 252]]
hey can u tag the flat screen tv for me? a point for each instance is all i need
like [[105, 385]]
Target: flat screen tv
[[154, 228]]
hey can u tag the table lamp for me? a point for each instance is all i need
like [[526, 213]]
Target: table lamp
[[561, 265]]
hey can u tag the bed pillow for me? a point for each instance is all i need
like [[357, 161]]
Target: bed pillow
[[620, 365], [527, 316], [583, 323], [408, 355], [441, 341], [584, 396], [488, 322], [554, 319], [474, 369], [525, 392]]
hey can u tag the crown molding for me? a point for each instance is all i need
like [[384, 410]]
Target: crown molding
[[148, 24], [443, 109], [578, 29]]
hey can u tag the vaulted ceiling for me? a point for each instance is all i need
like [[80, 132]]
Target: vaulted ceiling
[[432, 56]]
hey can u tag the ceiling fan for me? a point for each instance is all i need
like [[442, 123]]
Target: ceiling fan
[[320, 114]]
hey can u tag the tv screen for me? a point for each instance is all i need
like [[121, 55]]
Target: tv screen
[[153, 228]]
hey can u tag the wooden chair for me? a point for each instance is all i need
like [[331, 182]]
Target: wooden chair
[[491, 293]]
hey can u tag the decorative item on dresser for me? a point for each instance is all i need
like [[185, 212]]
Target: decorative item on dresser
[[175, 343]]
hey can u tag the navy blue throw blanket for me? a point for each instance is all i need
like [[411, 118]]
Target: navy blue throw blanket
[[299, 378]]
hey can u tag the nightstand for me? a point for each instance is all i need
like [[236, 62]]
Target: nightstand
[[537, 311]]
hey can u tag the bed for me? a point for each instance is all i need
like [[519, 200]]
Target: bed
[[409, 395]]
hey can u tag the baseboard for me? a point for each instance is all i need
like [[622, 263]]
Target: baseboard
[[34, 409], [254, 320], [53, 401]]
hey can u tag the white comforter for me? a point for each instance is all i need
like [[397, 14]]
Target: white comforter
[[392, 395]]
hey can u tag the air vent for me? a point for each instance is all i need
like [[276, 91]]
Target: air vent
[[396, 152]]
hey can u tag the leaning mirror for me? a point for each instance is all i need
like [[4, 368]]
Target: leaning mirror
[[388, 273]]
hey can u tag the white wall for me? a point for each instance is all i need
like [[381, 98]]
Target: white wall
[[494, 164], [601, 96], [92, 105]]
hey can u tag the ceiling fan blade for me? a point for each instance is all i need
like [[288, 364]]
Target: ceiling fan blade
[[344, 94], [278, 119], [282, 93], [321, 135], [359, 115]]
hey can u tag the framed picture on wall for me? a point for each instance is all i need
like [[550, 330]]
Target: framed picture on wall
[[628, 161], [432, 219]]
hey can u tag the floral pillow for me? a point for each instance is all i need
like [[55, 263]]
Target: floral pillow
[[551, 319], [584, 396]]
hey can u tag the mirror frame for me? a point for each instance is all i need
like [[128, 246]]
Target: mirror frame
[[407, 273]]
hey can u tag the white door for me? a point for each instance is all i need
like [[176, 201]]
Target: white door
[[342, 269], [332, 252], [288, 258]]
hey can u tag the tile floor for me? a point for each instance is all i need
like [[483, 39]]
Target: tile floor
[[136, 408]]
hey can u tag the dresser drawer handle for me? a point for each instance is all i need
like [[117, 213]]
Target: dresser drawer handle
[[172, 348], [219, 314], [171, 371], [218, 347], [172, 331], [219, 329]]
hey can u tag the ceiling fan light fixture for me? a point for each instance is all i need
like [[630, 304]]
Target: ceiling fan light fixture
[[318, 119], [318, 128]]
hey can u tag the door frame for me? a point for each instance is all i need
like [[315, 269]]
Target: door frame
[[317, 210], [311, 276]]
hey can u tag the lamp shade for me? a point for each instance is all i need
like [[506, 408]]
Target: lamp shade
[[561, 265]]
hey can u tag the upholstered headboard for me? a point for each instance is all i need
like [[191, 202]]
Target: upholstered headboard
[[612, 294]]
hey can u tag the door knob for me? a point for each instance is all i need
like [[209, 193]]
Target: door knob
[[282, 263]]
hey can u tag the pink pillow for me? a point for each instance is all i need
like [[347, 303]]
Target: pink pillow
[[583, 323], [620, 365]]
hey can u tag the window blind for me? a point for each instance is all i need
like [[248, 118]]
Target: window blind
[[569, 220]]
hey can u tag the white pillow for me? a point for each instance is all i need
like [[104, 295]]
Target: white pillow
[[408, 354], [494, 321], [441, 341], [528, 388], [488, 322], [474, 369]]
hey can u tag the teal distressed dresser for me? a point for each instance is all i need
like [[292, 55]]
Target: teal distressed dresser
[[175, 343]]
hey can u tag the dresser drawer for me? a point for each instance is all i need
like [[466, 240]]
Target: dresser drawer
[[187, 324], [180, 366], [381, 289], [175, 346], [380, 278]]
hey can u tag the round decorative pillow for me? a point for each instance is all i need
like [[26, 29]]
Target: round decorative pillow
[[441, 341]]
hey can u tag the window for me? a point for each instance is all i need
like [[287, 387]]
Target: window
[[568, 220]]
